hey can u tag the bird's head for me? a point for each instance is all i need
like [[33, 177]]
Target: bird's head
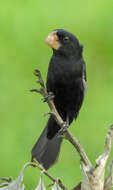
[[64, 43]]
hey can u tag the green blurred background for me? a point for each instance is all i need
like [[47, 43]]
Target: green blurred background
[[24, 25]]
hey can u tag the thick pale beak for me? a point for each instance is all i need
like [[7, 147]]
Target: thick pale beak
[[52, 41]]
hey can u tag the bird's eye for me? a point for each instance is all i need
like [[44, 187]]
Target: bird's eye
[[66, 39]]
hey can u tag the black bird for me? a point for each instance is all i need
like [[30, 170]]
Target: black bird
[[66, 79]]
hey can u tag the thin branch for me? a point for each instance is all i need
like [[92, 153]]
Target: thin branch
[[4, 185], [79, 148], [7, 179], [14, 183], [36, 164], [59, 120]]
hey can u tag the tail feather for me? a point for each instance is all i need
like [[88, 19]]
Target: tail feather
[[46, 150]]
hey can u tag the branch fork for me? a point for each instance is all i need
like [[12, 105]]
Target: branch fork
[[58, 118], [93, 176]]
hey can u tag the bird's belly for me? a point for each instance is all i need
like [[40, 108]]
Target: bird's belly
[[69, 98]]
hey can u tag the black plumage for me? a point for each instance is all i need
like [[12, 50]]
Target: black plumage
[[66, 79]]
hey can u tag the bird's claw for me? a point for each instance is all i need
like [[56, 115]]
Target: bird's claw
[[63, 129], [50, 96]]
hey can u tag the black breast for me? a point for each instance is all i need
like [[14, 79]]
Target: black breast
[[65, 81]]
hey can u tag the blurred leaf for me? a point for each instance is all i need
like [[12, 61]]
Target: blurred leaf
[[56, 187], [16, 185], [41, 185], [109, 179]]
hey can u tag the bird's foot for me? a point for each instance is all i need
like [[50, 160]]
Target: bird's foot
[[49, 96], [63, 129]]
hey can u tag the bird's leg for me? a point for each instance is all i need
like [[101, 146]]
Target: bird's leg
[[50, 96], [64, 128]]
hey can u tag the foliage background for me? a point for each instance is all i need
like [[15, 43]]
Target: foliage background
[[24, 25]]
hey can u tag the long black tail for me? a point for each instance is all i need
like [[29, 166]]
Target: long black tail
[[47, 148]]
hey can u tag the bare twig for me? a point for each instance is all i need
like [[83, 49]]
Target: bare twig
[[4, 185], [7, 179], [79, 148], [36, 164], [11, 184], [59, 120], [93, 177]]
